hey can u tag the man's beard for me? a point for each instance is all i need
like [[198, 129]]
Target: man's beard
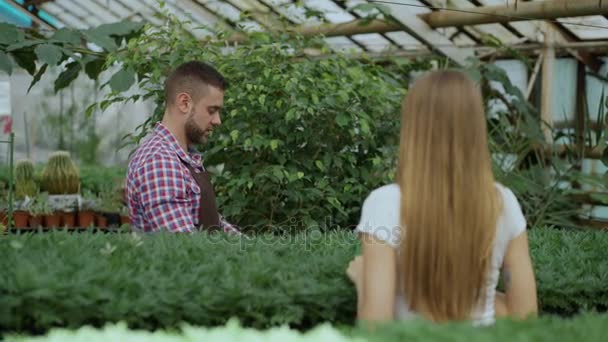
[[194, 133]]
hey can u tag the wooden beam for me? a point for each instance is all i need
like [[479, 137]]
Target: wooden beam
[[532, 80], [35, 2], [483, 15], [420, 30], [546, 110], [529, 49], [581, 110], [561, 37], [332, 30], [537, 10]]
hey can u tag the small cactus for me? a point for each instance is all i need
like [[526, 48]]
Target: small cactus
[[40, 205], [25, 184], [60, 175]]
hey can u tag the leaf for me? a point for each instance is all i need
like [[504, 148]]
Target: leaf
[[38, 76], [68, 75], [49, 54], [274, 144], [342, 119], [26, 60], [23, 44], [94, 68], [290, 115], [66, 35], [89, 111], [234, 134], [364, 126], [120, 28], [103, 34], [6, 64], [100, 39], [320, 165], [122, 80], [10, 34]]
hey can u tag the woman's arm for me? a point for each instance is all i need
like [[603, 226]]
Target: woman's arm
[[374, 275], [520, 299]]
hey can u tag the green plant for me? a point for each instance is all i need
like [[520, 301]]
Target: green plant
[[89, 201], [302, 138], [588, 327], [60, 175], [523, 161], [160, 280], [95, 178], [25, 182], [109, 200], [39, 205]]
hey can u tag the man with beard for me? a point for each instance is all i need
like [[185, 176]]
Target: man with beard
[[167, 184]]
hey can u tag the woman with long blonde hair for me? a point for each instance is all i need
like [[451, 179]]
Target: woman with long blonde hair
[[435, 241]]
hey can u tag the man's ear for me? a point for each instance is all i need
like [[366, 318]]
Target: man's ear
[[183, 102]]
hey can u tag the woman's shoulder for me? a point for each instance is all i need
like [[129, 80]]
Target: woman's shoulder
[[386, 193], [512, 217], [509, 200], [380, 214]]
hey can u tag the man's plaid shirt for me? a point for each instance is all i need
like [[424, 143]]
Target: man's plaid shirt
[[161, 193]]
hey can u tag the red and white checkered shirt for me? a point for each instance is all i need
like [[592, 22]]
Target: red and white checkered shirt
[[161, 192]]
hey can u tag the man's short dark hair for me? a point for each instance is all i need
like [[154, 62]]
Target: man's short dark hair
[[193, 77]]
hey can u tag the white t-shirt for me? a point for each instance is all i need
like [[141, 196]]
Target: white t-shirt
[[380, 218]]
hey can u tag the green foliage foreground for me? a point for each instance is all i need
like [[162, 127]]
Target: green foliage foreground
[[160, 281], [585, 327]]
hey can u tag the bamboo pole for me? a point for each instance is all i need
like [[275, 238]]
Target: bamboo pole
[[532, 79], [546, 111], [540, 10], [332, 30], [526, 49], [537, 10]]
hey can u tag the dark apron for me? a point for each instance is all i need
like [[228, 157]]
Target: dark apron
[[208, 217]]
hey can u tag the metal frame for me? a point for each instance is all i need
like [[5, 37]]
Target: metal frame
[[421, 27]]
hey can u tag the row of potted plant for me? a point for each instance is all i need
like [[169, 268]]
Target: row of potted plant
[[53, 199], [40, 211]]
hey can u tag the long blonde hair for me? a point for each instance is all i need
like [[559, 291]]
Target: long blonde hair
[[449, 203]]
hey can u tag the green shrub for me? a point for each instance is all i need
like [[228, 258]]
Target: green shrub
[[587, 327], [160, 280], [295, 131], [311, 137], [97, 178]]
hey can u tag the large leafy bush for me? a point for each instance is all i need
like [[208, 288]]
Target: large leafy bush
[[303, 139]]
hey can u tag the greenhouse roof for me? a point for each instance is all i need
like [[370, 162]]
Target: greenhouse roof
[[455, 28]]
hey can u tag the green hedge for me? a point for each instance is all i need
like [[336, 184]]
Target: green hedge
[[588, 327], [151, 281]]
